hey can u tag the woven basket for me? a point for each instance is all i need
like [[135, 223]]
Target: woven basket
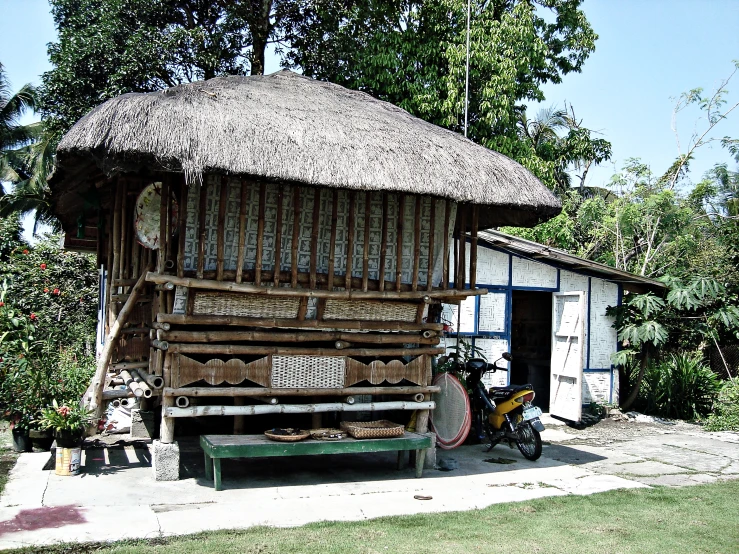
[[327, 434], [287, 438], [244, 305], [382, 429]]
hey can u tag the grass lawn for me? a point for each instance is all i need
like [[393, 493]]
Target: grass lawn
[[691, 520]]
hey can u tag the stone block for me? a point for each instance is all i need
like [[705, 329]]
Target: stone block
[[143, 424], [165, 461]]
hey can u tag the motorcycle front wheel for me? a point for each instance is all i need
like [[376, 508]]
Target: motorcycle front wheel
[[528, 441]]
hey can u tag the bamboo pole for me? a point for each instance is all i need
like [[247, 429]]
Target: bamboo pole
[[180, 319], [432, 232], [221, 233], [332, 240], [257, 392], [383, 244], [131, 383], [366, 245], [314, 237], [143, 385], [198, 411], [239, 421], [350, 240], [399, 243], [296, 237], [278, 237], [163, 226], [182, 227], [124, 229], [242, 231], [445, 253], [473, 247], [260, 233], [462, 241], [243, 350], [416, 242], [202, 213], [295, 336]]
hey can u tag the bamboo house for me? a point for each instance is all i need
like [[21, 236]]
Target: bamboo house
[[278, 245]]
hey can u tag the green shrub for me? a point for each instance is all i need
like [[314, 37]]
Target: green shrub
[[725, 416], [681, 387]]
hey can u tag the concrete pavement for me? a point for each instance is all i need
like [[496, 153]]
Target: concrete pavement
[[116, 496]]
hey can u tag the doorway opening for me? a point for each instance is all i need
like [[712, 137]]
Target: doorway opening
[[531, 342]]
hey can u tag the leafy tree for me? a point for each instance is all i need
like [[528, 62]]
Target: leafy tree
[[13, 135]]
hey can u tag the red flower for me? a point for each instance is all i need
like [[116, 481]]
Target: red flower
[[46, 290], [33, 317], [43, 266], [56, 291], [25, 252], [2, 304]]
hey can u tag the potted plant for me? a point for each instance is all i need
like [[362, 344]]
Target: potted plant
[[68, 423]]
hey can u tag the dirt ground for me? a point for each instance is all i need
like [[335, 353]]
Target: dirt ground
[[610, 431]]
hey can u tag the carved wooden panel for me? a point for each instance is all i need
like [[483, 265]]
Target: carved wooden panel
[[417, 371], [186, 371]]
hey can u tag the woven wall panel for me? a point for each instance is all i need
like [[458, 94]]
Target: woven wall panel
[[316, 372], [370, 311], [243, 305], [215, 372], [417, 371]]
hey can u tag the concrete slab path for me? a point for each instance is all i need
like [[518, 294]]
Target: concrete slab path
[[116, 496]]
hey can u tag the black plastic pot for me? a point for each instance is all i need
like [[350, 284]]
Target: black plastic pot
[[41, 440], [21, 441], [68, 439]]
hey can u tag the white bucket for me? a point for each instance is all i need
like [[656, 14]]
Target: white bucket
[[68, 461]]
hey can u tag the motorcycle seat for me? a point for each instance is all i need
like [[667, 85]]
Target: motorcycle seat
[[502, 392]]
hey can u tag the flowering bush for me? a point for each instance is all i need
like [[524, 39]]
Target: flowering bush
[[72, 418]]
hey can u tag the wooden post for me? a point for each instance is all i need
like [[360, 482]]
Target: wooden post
[[124, 228], [182, 227], [296, 237], [462, 261], [221, 234], [445, 252], [432, 231], [314, 236], [260, 234], [350, 240], [98, 383], [416, 242], [332, 241], [383, 244], [166, 430], [239, 420], [202, 212], [399, 243], [365, 250], [163, 226], [278, 237], [242, 231], [473, 247]]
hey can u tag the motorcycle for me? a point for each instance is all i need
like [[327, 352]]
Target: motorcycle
[[503, 413]]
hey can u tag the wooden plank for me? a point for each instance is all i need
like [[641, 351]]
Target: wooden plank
[[296, 237], [303, 309], [260, 233], [163, 226], [257, 392], [124, 229], [314, 236], [221, 232], [332, 240], [350, 240], [366, 245], [473, 247], [399, 242], [181, 319], [246, 288], [432, 231], [278, 236], [383, 243], [243, 205], [416, 242], [182, 227], [216, 372], [393, 372], [202, 212], [295, 336], [117, 230], [462, 261], [266, 350], [445, 252]]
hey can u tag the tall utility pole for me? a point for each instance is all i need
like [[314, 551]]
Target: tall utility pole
[[467, 71]]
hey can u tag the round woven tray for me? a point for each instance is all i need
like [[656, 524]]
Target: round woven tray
[[295, 436], [373, 429], [327, 434]]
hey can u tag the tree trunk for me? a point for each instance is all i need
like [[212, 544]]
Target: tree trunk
[[260, 28], [626, 405]]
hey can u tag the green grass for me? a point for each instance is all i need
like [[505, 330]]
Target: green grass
[[692, 519]]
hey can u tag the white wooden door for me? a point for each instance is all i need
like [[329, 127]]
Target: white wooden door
[[568, 350]]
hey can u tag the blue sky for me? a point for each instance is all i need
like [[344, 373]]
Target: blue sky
[[648, 53]]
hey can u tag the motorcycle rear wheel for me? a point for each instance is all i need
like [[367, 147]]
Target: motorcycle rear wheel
[[528, 442]]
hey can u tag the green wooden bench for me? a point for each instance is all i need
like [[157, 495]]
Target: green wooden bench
[[217, 447]]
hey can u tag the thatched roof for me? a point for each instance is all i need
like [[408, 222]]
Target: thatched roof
[[288, 127]]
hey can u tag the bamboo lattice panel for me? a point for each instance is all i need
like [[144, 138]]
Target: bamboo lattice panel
[[369, 311], [317, 372], [243, 305]]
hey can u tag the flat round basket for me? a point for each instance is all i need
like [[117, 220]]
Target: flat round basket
[[286, 435], [452, 418], [382, 429], [147, 215], [327, 434]]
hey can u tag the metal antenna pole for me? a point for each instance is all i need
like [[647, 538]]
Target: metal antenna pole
[[467, 72]]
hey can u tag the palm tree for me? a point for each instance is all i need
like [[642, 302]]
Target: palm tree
[[26, 156], [542, 133]]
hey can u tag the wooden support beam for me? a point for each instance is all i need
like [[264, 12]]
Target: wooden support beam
[[462, 261], [432, 232], [243, 205], [332, 240], [124, 229], [383, 243], [314, 236], [163, 225], [399, 243], [416, 242], [350, 239], [221, 237], [260, 233], [473, 246], [198, 411], [178, 336], [365, 245], [180, 319], [445, 251], [278, 236], [184, 189], [249, 350], [236, 392], [202, 212], [296, 237]]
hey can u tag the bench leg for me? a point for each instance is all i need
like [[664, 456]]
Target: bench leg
[[401, 459], [217, 474], [420, 457], [208, 467]]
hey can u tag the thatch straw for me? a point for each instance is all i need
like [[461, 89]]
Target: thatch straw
[[291, 128]]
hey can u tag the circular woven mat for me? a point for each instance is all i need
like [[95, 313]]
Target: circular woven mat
[[452, 418]]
